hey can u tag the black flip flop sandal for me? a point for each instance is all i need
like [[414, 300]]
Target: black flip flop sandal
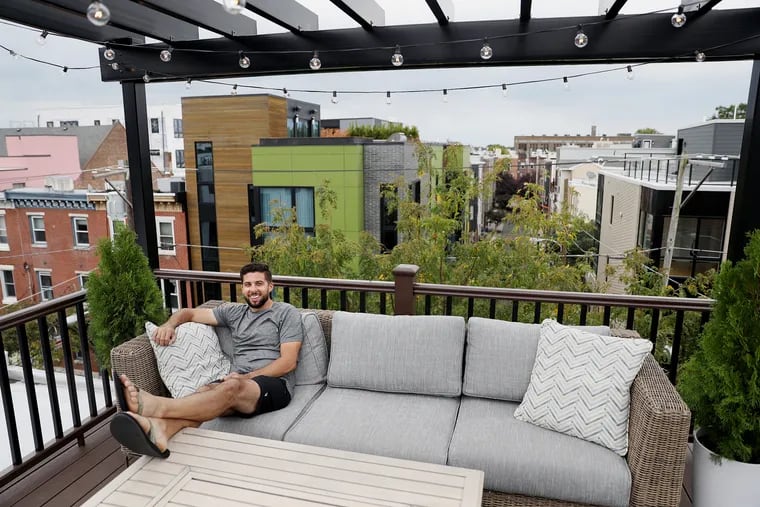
[[128, 432], [119, 388]]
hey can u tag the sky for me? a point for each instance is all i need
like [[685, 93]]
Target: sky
[[662, 96]]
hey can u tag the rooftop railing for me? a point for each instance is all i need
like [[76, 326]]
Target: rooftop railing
[[709, 170]]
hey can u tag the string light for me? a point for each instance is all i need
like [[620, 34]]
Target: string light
[[166, 55], [388, 98], [315, 63], [397, 59], [566, 84], [65, 69], [581, 39], [629, 75], [243, 60], [503, 89], [146, 78], [109, 54], [445, 96], [699, 56], [486, 51], [13, 54], [679, 18], [234, 6], [334, 98], [42, 39], [285, 92], [98, 13], [188, 83], [115, 65], [234, 90]]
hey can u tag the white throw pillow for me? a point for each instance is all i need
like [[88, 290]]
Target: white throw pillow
[[195, 358], [580, 384]]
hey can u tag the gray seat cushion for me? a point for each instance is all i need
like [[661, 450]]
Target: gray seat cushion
[[272, 425], [406, 426], [500, 357], [397, 354], [312, 358], [518, 457]]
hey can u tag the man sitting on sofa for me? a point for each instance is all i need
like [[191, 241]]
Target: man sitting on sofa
[[266, 336]]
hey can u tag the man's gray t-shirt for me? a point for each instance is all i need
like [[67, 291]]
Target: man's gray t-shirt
[[257, 336]]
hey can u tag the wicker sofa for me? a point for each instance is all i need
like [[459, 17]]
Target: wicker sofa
[[388, 392]]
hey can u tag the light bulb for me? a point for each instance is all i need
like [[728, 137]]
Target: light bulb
[[42, 39], [630, 75], [188, 83], [397, 59], [581, 39], [109, 54], [165, 55], [566, 84], [98, 13], [65, 69], [486, 52], [115, 65], [315, 63], [234, 6], [388, 98], [679, 18], [243, 61], [285, 92], [699, 56], [146, 78], [13, 54], [334, 98], [503, 90], [445, 96], [234, 90]]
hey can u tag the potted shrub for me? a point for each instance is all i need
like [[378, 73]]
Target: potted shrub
[[121, 294], [721, 385]]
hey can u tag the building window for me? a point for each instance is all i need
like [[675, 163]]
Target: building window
[[9, 286], [97, 123], [180, 157], [114, 224], [204, 162], [70, 123], [154, 125], [388, 217], [4, 245], [81, 232], [165, 229], [83, 279], [171, 297], [274, 206], [37, 226], [45, 281], [49, 124], [155, 153], [612, 207], [697, 246], [178, 132]]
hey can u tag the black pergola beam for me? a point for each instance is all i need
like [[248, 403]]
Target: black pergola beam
[[525, 7], [694, 11], [65, 22], [365, 12], [208, 15], [286, 13], [634, 39], [613, 10], [136, 18], [443, 10]]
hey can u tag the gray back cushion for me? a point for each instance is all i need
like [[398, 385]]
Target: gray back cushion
[[500, 357], [398, 354], [312, 358]]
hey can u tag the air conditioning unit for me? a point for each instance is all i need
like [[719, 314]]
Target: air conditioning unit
[[116, 207]]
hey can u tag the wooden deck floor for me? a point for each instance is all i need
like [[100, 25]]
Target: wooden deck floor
[[76, 473]]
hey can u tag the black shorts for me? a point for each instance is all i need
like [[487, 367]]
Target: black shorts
[[274, 395]]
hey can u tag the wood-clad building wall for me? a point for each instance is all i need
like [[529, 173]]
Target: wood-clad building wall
[[232, 124]]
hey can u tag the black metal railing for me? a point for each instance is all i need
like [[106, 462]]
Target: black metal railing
[[672, 324], [710, 170], [27, 332]]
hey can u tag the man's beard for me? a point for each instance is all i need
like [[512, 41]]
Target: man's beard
[[262, 301]]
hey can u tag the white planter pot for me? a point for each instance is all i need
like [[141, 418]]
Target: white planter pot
[[726, 483]]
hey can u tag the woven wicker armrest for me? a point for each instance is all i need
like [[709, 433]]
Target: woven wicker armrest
[[136, 360], [658, 431]]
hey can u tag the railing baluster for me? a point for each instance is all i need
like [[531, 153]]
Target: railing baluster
[[654, 326], [606, 319], [68, 366], [515, 307], [629, 319], [323, 299], [537, 312], [197, 286], [10, 413], [677, 332], [383, 298], [492, 309], [428, 303], [233, 292], [470, 307], [560, 312], [31, 393], [286, 294], [183, 294], [47, 361], [703, 320], [86, 363], [304, 297], [343, 301], [449, 304], [362, 302], [584, 315]]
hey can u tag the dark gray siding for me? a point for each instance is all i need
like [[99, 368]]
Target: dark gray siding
[[728, 139], [698, 139]]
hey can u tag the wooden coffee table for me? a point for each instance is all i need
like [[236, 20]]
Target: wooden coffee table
[[210, 468]]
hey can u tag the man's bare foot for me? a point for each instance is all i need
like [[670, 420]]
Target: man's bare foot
[[139, 402], [154, 428]]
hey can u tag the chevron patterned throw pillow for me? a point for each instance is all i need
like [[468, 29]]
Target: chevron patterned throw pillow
[[580, 384], [195, 358]]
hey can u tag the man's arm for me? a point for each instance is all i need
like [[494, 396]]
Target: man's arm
[[282, 365], [164, 335]]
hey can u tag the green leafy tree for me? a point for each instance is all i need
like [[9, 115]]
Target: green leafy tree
[[122, 294], [383, 131], [647, 130], [730, 112], [721, 381]]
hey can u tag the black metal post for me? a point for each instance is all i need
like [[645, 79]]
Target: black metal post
[[745, 217], [140, 181]]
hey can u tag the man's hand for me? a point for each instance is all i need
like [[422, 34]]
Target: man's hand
[[164, 335]]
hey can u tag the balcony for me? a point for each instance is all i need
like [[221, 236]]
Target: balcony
[[74, 462]]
